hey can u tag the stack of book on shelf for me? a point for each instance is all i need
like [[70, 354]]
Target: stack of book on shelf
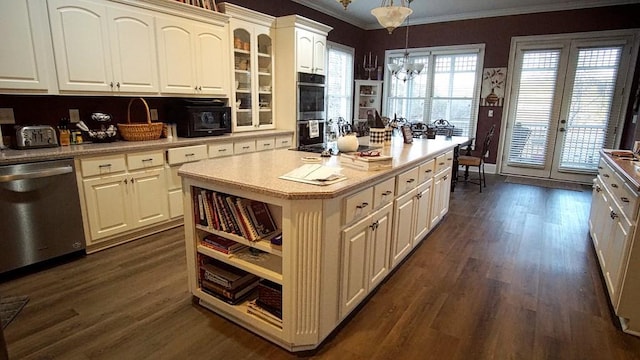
[[221, 244], [247, 218], [366, 162], [268, 305], [226, 282], [205, 4]]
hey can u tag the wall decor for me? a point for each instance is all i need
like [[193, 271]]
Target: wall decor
[[493, 83]]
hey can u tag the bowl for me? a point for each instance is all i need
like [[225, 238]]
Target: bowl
[[98, 116]]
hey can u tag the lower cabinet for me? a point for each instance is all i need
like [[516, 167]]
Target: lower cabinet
[[121, 193], [441, 190], [119, 203], [401, 243], [175, 158], [365, 257]]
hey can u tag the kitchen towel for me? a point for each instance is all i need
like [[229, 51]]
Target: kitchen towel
[[314, 129]]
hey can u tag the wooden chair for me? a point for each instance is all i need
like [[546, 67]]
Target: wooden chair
[[478, 161], [443, 127]]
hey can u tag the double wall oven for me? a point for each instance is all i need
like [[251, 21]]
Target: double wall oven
[[311, 112]]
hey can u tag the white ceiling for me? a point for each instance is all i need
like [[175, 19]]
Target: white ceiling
[[431, 11]]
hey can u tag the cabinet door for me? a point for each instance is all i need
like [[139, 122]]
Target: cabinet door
[[304, 51], [380, 240], [24, 65], [133, 50], [108, 206], [616, 251], [354, 265], [147, 206], [319, 53], [422, 220], [176, 55], [402, 228], [211, 60], [79, 31], [598, 216], [440, 203]]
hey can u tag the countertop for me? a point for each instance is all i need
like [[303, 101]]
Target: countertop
[[258, 172], [626, 167], [13, 156]]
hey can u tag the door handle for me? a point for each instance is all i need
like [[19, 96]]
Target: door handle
[[36, 174]]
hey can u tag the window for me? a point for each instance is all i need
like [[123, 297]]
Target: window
[[339, 98], [448, 87]]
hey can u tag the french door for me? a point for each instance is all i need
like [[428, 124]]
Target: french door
[[565, 104]]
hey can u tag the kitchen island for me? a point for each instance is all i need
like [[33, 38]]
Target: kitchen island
[[338, 241]]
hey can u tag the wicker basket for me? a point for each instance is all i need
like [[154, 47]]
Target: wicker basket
[[140, 132]]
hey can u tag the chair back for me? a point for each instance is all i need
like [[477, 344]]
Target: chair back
[[443, 127], [487, 141]]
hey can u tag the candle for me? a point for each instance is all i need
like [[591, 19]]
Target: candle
[[369, 58], [376, 65], [364, 61]]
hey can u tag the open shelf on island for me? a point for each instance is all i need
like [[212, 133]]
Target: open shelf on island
[[266, 265], [264, 245]]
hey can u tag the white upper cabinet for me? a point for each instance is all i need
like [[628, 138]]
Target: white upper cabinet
[[26, 60], [193, 57], [311, 50], [99, 47]]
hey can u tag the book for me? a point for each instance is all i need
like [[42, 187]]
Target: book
[[199, 209], [206, 205], [231, 202], [256, 310], [261, 219], [244, 217], [225, 275], [316, 174], [234, 295], [222, 245], [366, 163]]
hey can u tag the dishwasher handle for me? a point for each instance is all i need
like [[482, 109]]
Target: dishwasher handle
[[36, 174]]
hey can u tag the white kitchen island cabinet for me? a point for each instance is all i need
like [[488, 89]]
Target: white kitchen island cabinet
[[336, 239]]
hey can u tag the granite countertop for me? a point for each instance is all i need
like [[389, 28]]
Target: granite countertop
[[13, 156], [258, 172], [629, 168]]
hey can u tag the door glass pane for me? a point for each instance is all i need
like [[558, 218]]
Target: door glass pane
[[534, 107], [590, 106]]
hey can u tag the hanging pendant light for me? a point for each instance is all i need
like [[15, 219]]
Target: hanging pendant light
[[391, 16], [344, 3], [407, 70]]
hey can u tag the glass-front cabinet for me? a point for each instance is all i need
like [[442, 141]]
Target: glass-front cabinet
[[253, 66]]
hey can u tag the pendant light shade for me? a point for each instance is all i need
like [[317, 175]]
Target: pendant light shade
[[391, 16]]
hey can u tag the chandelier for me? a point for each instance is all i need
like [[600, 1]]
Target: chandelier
[[407, 70], [344, 3], [390, 16]]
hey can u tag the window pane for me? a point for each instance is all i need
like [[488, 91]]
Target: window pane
[[339, 83]]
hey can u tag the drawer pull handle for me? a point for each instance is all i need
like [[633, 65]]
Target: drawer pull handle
[[149, 159], [189, 154], [614, 186], [246, 147], [363, 205], [613, 215], [624, 199], [449, 159], [410, 181], [599, 167], [104, 165], [386, 193], [428, 171], [222, 150], [605, 175], [441, 163]]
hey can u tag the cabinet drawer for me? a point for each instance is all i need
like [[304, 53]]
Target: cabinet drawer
[[283, 141], [103, 165], [383, 193], [443, 161], [186, 154], [623, 195], [426, 171], [265, 144], [406, 181], [145, 160], [358, 205], [242, 147], [220, 150]]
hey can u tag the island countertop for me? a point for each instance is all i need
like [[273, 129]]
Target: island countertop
[[259, 172]]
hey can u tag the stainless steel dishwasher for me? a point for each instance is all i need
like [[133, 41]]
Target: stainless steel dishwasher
[[40, 215]]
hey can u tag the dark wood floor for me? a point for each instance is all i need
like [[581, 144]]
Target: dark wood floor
[[509, 274]]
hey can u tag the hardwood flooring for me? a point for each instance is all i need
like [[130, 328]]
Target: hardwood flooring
[[509, 274]]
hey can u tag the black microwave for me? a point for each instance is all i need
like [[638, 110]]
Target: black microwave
[[195, 118]]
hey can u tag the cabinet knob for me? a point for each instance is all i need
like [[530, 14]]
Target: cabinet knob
[[374, 226], [613, 215], [445, 177], [418, 195], [111, 84], [614, 186], [598, 189], [118, 84], [126, 181]]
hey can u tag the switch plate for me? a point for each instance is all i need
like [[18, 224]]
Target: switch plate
[[154, 114], [74, 115], [490, 113], [6, 116]]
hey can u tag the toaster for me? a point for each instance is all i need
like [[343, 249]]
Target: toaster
[[36, 136]]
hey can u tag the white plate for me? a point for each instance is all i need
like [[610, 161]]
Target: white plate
[[311, 159]]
